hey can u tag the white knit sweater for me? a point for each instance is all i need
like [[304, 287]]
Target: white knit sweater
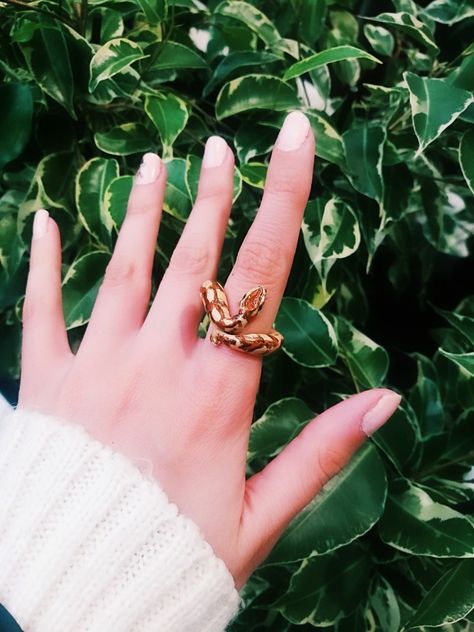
[[88, 543]]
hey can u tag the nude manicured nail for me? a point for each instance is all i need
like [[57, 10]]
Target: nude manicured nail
[[214, 152], [294, 131], [149, 169], [380, 413], [40, 223]]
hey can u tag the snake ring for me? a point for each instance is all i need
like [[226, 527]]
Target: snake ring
[[216, 305]]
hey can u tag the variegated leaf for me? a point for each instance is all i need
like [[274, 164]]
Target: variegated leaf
[[367, 361], [466, 157], [169, 115], [309, 336], [435, 104], [253, 92], [92, 181], [464, 360], [80, 286], [413, 522], [364, 147], [329, 56], [411, 25], [381, 40], [111, 58], [449, 11]]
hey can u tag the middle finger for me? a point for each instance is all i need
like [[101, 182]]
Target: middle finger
[[266, 254]]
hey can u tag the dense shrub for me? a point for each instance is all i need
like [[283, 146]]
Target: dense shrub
[[380, 289]]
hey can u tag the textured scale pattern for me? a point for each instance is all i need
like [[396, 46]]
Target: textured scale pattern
[[216, 305]]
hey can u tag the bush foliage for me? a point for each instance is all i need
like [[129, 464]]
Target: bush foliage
[[379, 292]]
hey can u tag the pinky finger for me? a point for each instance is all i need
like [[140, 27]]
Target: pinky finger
[[44, 339]]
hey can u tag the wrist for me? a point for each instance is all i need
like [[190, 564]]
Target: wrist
[[88, 539]]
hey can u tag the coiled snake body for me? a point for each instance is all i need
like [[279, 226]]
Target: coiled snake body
[[216, 305]]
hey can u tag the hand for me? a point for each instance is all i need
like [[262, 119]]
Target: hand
[[147, 385]]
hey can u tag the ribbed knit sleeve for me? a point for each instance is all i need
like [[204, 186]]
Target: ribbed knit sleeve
[[88, 543]]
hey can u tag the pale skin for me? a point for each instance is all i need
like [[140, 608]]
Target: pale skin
[[144, 383]]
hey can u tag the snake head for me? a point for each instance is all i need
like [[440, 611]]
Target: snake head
[[252, 302]]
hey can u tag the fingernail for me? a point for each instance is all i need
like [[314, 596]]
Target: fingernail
[[149, 169], [214, 152], [380, 413], [40, 223], [294, 131]]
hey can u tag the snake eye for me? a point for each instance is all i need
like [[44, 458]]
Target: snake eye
[[254, 299]]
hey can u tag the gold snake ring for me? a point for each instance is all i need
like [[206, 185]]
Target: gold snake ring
[[216, 305]]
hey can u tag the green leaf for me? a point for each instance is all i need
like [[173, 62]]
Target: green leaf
[[52, 187], [367, 361], [413, 522], [460, 444], [16, 112], [254, 140], [329, 234], [348, 505], [463, 323], [236, 62], [449, 600], [328, 141], [154, 10], [253, 18], [254, 91], [309, 336], [427, 403], [80, 286], [411, 25], [112, 58], [466, 157], [364, 147], [177, 201], [463, 360], [383, 601], [169, 115], [325, 589], [278, 425], [381, 40], [92, 181], [111, 24], [116, 200], [173, 55], [329, 56], [254, 173], [449, 11], [435, 104], [125, 139], [47, 56], [398, 437], [312, 16]]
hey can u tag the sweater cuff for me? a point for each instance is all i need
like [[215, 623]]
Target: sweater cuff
[[88, 542]]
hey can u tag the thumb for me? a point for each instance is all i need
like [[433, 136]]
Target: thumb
[[290, 481]]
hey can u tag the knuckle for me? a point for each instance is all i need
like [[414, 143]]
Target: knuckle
[[29, 309], [119, 273], [286, 183], [191, 258], [330, 461], [142, 207], [262, 259]]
